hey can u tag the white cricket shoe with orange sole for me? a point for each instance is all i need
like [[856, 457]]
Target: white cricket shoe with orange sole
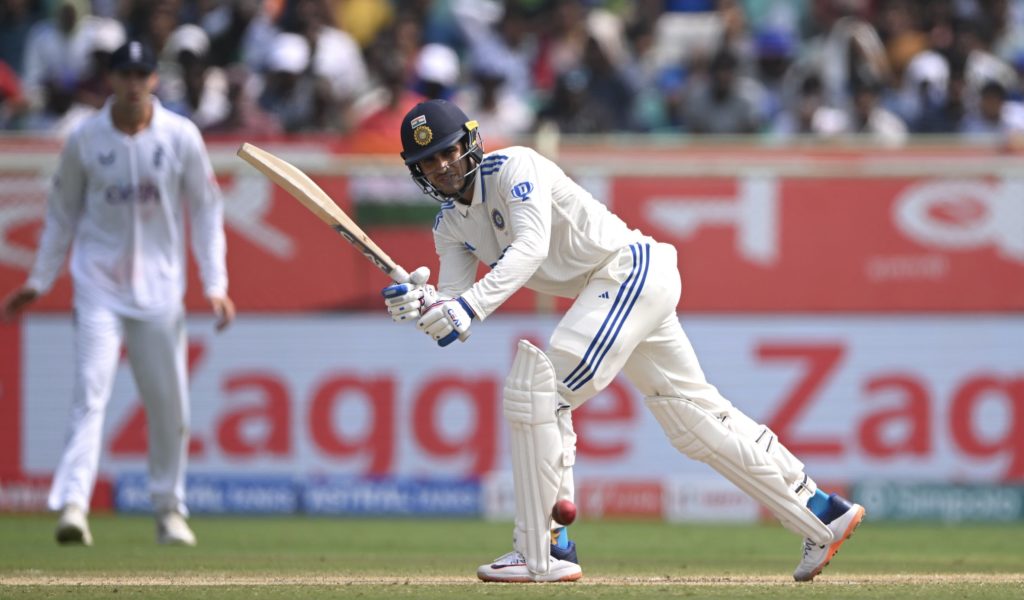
[[816, 557]]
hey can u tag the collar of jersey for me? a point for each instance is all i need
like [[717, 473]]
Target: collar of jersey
[[479, 194]]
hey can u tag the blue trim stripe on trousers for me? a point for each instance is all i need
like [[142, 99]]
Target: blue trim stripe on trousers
[[626, 298]]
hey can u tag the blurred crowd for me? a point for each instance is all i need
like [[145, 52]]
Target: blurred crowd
[[884, 68]]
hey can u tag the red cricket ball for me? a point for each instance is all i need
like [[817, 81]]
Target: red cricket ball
[[564, 512]]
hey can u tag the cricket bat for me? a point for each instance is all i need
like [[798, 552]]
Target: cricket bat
[[309, 194]]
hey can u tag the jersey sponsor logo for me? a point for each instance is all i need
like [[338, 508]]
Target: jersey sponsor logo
[[499, 220], [107, 159], [126, 194], [470, 247], [603, 295], [522, 190]]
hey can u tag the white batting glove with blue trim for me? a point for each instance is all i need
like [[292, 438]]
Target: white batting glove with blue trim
[[447, 320], [405, 300]]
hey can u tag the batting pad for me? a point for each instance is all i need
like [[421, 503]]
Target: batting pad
[[540, 461], [699, 435]]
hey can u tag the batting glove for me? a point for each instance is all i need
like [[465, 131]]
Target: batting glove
[[447, 320], [405, 300]]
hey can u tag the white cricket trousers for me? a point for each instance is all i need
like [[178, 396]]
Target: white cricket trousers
[[625, 321], [156, 349]]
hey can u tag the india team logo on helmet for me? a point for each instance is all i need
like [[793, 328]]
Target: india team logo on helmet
[[423, 135]]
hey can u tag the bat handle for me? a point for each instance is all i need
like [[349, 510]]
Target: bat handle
[[399, 275]]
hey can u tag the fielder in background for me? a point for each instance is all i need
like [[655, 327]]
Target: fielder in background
[[517, 212], [117, 201]]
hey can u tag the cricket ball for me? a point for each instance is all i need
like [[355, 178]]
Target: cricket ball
[[564, 512]]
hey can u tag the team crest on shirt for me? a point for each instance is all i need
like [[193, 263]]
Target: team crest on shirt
[[499, 220], [107, 159], [158, 157], [522, 190]]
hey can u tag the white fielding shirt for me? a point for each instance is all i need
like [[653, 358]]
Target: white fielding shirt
[[534, 227], [117, 200]]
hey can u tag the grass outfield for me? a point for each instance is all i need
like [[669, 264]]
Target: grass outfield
[[306, 557]]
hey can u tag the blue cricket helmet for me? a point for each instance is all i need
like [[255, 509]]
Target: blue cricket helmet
[[431, 127]]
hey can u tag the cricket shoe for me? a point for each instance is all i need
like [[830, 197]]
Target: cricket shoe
[[511, 568], [73, 527], [173, 530], [817, 556]]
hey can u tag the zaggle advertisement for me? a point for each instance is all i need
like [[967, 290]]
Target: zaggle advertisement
[[926, 398]]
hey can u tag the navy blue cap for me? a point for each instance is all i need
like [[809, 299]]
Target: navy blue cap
[[133, 56], [430, 127]]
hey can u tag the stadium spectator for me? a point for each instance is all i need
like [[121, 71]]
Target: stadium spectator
[[648, 57], [336, 61], [376, 114], [900, 30], [240, 33], [437, 72], [775, 50], [501, 38], [188, 85], [870, 118], [94, 87], [57, 55], [974, 40], [593, 98], [923, 90], [995, 116], [17, 18], [723, 102], [498, 111], [847, 47], [290, 91], [809, 116]]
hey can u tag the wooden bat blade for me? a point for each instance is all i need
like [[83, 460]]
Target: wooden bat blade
[[315, 199]]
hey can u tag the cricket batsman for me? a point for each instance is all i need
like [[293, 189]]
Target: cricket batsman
[[517, 212]]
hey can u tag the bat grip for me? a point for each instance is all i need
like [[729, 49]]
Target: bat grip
[[399, 275]]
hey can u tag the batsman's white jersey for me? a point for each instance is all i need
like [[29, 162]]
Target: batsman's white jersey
[[118, 201], [536, 228], [532, 225]]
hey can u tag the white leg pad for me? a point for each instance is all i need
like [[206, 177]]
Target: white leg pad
[[542, 455], [698, 434], [792, 469]]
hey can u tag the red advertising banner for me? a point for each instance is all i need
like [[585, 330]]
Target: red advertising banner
[[768, 237], [764, 243]]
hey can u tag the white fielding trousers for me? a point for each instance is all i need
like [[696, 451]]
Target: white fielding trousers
[[156, 349]]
